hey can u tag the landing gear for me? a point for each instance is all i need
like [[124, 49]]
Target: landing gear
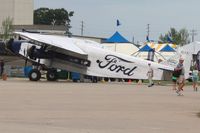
[[52, 75], [94, 79], [34, 75]]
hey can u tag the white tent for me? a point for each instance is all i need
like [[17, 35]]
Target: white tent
[[193, 47], [124, 48]]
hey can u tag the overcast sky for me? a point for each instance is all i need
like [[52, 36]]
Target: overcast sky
[[100, 16]]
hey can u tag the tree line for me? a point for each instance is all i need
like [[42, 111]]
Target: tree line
[[174, 36], [46, 16]]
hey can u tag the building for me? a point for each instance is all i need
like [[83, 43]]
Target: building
[[21, 11], [56, 30]]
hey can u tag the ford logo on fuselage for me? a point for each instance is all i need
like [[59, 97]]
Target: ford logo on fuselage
[[111, 63]]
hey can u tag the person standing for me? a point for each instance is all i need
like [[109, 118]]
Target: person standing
[[195, 77], [1, 67], [181, 79], [150, 75]]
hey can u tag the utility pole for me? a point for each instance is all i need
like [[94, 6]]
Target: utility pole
[[148, 29], [53, 23], [193, 33], [82, 26], [133, 40]]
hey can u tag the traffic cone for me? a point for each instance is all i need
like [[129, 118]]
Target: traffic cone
[[4, 77]]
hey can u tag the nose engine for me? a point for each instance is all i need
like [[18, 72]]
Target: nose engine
[[8, 45], [13, 46], [33, 52]]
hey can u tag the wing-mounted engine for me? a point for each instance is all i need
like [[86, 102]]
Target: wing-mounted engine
[[44, 52], [39, 53]]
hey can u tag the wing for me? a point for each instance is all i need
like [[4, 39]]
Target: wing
[[61, 42]]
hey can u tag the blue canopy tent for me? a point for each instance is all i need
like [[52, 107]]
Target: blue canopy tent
[[167, 48], [118, 43], [145, 48], [150, 53], [116, 38]]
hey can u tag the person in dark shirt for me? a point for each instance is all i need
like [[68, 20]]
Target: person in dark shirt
[[1, 67]]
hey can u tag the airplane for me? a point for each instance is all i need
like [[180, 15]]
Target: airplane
[[52, 52]]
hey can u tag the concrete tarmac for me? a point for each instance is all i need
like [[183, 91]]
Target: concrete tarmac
[[65, 107]]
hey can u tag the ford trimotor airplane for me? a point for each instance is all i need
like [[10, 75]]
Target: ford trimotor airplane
[[51, 52]]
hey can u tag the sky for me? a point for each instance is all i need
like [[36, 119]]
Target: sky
[[100, 16]]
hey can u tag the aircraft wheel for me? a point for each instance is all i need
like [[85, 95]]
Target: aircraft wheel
[[52, 75], [34, 75]]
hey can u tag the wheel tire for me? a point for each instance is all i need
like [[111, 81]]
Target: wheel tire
[[75, 80], [52, 75], [34, 75]]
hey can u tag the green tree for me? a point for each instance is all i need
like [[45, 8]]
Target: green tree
[[46, 16], [177, 37], [184, 37], [7, 28], [43, 16]]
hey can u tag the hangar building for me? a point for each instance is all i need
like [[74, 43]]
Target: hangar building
[[21, 11]]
